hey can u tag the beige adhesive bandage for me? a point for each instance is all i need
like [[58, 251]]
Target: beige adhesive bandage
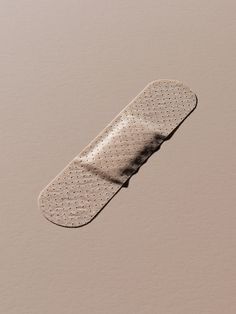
[[92, 178]]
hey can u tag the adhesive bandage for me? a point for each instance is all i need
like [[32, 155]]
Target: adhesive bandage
[[93, 177]]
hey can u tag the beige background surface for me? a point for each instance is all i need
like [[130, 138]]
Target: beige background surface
[[167, 243]]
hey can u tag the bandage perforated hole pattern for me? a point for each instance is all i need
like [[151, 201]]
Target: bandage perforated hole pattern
[[93, 177]]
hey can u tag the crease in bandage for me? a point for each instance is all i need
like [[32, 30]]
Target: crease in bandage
[[93, 177], [126, 159]]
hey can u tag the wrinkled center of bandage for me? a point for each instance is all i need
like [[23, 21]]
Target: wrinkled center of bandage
[[123, 150]]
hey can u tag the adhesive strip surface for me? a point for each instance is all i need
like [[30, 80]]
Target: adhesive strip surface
[[92, 178]]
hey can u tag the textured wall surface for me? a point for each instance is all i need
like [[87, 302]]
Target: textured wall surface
[[167, 243]]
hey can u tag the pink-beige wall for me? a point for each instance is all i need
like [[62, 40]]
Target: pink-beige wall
[[166, 244]]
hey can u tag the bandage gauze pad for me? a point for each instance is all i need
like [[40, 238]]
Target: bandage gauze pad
[[93, 177]]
